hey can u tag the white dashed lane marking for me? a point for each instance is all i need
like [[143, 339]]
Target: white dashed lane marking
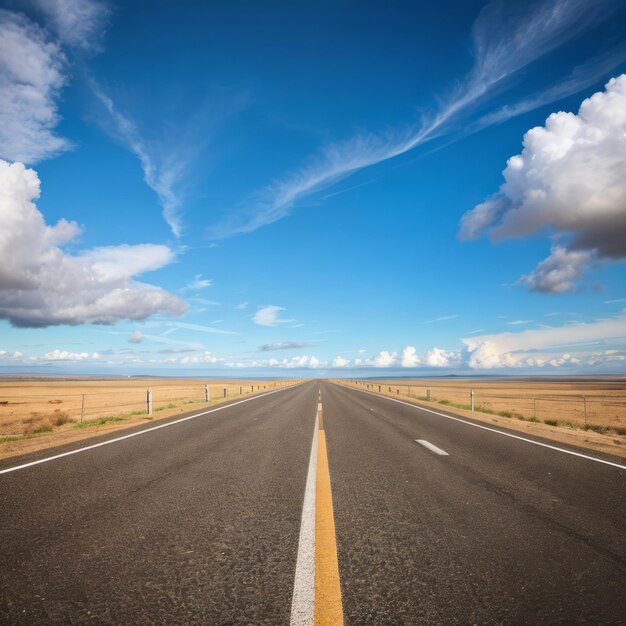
[[431, 447]]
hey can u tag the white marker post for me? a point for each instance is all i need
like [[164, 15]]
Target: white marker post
[[472, 398], [207, 394], [149, 402]]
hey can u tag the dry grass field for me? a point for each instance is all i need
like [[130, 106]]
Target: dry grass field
[[597, 404], [587, 412], [36, 413]]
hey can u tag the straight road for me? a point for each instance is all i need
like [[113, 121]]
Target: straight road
[[203, 522], [495, 531], [197, 523]]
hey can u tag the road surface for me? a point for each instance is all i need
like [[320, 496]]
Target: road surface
[[282, 508]]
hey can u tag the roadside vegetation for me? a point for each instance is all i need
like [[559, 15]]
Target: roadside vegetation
[[574, 405], [482, 408]]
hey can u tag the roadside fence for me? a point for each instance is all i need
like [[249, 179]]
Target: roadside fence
[[23, 411], [592, 410]]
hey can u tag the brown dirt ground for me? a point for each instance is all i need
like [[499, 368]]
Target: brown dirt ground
[[38, 414]]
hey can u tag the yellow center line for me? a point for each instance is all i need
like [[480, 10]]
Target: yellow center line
[[328, 609]]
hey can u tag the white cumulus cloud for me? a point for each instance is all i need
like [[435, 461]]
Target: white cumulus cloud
[[383, 359], [205, 357], [64, 355], [409, 357], [571, 179], [42, 285], [442, 358], [339, 361], [560, 272], [32, 74]]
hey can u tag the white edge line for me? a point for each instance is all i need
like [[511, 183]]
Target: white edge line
[[432, 447], [141, 432], [494, 430], [303, 599]]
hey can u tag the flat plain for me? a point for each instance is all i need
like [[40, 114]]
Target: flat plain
[[586, 400], [39, 412], [589, 412]]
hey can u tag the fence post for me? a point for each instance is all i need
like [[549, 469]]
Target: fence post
[[149, 401], [379, 388], [240, 390], [207, 394], [225, 391], [472, 397], [428, 394], [82, 409], [585, 405], [535, 408]]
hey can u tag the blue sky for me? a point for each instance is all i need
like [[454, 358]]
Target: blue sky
[[312, 189]]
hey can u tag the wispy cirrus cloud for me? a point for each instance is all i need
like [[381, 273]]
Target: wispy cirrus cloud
[[78, 23], [175, 350], [506, 38], [198, 283], [581, 77], [443, 318], [270, 316], [167, 161], [163, 171], [201, 328], [284, 345]]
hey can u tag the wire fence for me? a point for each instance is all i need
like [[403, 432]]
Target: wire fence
[[599, 410], [32, 409]]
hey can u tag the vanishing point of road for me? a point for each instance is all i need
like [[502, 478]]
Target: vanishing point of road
[[313, 504]]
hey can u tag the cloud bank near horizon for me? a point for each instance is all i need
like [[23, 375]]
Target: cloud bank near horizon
[[571, 347]]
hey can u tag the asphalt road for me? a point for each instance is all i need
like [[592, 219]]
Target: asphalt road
[[498, 531], [193, 524], [198, 523]]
